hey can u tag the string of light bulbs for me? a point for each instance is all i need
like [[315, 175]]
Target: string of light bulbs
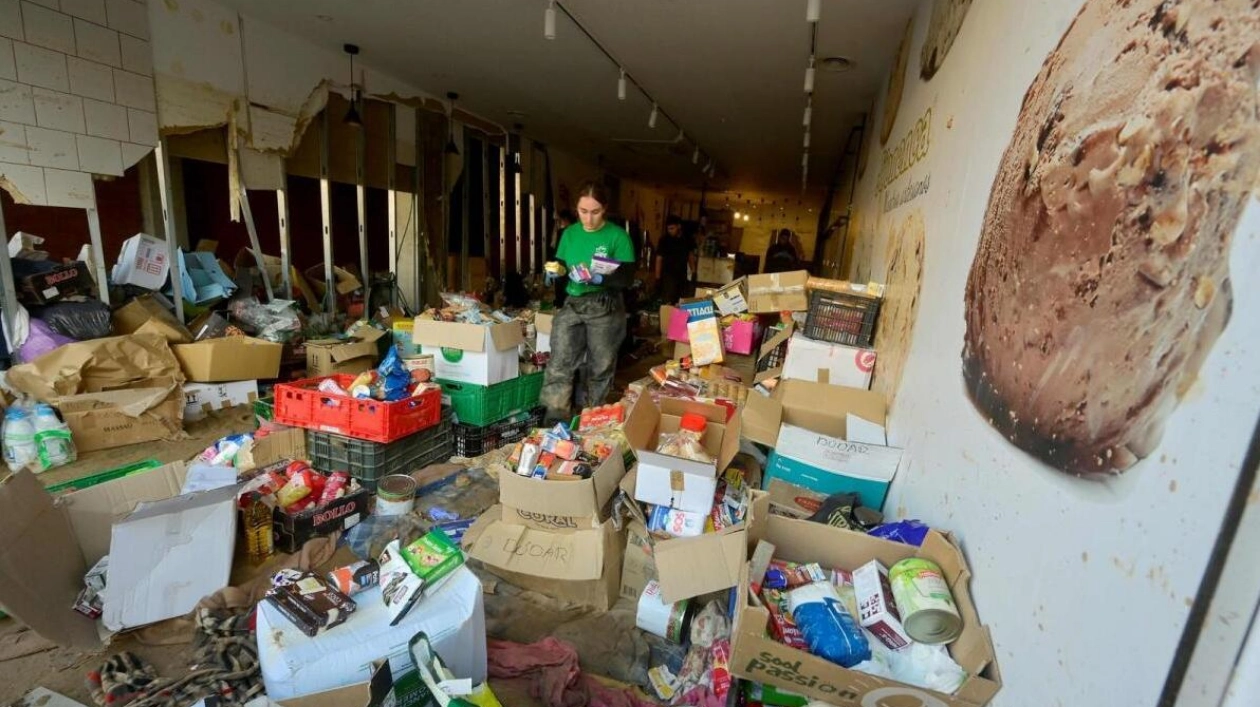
[[813, 13], [550, 15]]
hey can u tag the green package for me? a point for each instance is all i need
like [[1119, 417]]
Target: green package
[[433, 557]]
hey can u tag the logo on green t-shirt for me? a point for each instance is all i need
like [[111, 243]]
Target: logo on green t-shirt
[[577, 245]]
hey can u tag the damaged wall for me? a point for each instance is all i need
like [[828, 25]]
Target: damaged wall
[[1085, 582]]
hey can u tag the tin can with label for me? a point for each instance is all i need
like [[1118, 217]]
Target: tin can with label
[[669, 621], [928, 612]]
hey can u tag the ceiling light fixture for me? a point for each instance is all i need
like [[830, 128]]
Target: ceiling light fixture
[[451, 147], [695, 156], [737, 215], [745, 218], [807, 139], [652, 116], [836, 64], [549, 20], [809, 111], [621, 86], [352, 116], [809, 75], [813, 9]]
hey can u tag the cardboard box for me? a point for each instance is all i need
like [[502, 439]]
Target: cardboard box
[[55, 285], [118, 418], [470, 353], [679, 483], [166, 556], [150, 310], [202, 278], [715, 270], [562, 505], [325, 357], [793, 501], [346, 282], [292, 531], [542, 324], [582, 566], [142, 262], [208, 326], [231, 358], [822, 362], [294, 665], [637, 568], [778, 292], [202, 398], [757, 657], [827, 438], [731, 299]]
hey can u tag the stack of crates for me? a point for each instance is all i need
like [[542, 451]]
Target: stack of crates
[[369, 461], [491, 416]]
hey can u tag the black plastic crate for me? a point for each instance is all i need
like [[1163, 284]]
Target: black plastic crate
[[473, 441], [369, 461], [842, 318], [774, 359]]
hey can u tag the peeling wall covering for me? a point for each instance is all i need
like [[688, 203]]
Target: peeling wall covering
[[77, 98]]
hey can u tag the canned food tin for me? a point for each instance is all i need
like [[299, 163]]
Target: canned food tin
[[395, 495], [928, 612]]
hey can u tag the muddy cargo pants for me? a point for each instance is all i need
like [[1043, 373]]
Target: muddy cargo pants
[[591, 327]]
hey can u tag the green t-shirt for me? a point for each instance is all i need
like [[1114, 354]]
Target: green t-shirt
[[577, 245]]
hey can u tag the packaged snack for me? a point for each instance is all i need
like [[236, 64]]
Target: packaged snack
[[309, 601], [829, 630], [704, 332], [782, 626], [685, 443]]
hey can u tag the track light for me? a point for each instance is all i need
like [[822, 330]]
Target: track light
[[809, 76], [680, 137], [806, 139], [737, 215], [549, 20], [809, 111], [652, 116], [621, 86], [695, 156], [813, 8], [805, 161]]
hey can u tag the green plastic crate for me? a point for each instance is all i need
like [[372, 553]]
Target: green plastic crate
[[487, 404]]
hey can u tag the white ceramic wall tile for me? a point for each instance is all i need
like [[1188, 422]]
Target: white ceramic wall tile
[[47, 28], [8, 67], [133, 90], [11, 19], [41, 67], [97, 43], [136, 55], [132, 153], [72, 189], [13, 143], [27, 181], [16, 103], [90, 79], [58, 111], [144, 128], [128, 16], [91, 10], [52, 148], [99, 156], [105, 119]]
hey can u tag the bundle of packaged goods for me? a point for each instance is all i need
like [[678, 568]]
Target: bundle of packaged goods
[[559, 454], [286, 504]]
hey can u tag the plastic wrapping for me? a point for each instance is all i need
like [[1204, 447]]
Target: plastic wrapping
[[276, 321], [909, 532], [78, 320], [829, 630], [41, 339], [685, 443]]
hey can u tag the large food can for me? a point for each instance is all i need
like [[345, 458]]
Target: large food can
[[928, 612]]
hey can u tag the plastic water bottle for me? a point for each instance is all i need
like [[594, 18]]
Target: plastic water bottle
[[19, 439], [53, 443]]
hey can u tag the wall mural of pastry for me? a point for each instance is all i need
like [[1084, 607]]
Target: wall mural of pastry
[[1101, 280], [947, 19], [896, 82], [901, 302]]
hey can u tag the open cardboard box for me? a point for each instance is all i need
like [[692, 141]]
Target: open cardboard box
[[325, 357], [757, 657], [116, 418], [47, 545], [200, 399], [471, 353], [670, 481], [581, 504], [231, 358], [150, 310], [542, 324], [579, 566]]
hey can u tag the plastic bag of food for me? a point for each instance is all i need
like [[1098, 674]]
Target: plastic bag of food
[[85, 320], [686, 442], [829, 630]]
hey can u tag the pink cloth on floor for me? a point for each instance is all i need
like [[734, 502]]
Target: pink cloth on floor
[[556, 677]]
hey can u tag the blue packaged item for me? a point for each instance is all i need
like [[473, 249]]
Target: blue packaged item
[[395, 378], [830, 631], [909, 532]]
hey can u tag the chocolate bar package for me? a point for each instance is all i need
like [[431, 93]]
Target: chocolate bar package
[[309, 601]]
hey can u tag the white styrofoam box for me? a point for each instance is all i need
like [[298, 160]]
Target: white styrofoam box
[[132, 153], [52, 148], [91, 79], [97, 43], [99, 155], [41, 67], [27, 181], [58, 111], [11, 19], [8, 67], [105, 119], [128, 16], [134, 90], [294, 664], [71, 189], [143, 127], [16, 103], [823, 362], [48, 28], [136, 55], [92, 10], [13, 143]]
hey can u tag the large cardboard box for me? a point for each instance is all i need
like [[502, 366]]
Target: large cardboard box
[[325, 357], [542, 324], [562, 505], [579, 566], [826, 438], [48, 547], [757, 657], [778, 292], [149, 310], [55, 285], [231, 358], [202, 398], [202, 279], [822, 362], [470, 353], [670, 481], [637, 568], [142, 262], [117, 418]]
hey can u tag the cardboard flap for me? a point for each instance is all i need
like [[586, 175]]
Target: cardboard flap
[[41, 564], [542, 323], [507, 336], [350, 351], [761, 418], [690, 567], [515, 548], [279, 445], [132, 403], [96, 365], [819, 407], [456, 335], [93, 510]]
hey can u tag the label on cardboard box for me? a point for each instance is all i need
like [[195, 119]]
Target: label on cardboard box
[[830, 465]]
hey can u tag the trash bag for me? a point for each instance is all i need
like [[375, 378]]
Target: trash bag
[[277, 321], [78, 320], [368, 538], [41, 340]]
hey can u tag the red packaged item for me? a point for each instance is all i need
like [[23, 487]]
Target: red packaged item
[[782, 626], [335, 487], [602, 416], [721, 672], [294, 468], [299, 486], [299, 506]]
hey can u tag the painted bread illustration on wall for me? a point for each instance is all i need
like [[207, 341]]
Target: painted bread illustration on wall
[[947, 19], [1101, 280]]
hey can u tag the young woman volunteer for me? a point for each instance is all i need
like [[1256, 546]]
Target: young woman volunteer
[[592, 322]]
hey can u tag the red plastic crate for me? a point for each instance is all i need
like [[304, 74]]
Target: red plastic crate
[[301, 404]]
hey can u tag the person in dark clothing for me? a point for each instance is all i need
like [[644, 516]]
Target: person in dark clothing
[[675, 253], [782, 256]]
